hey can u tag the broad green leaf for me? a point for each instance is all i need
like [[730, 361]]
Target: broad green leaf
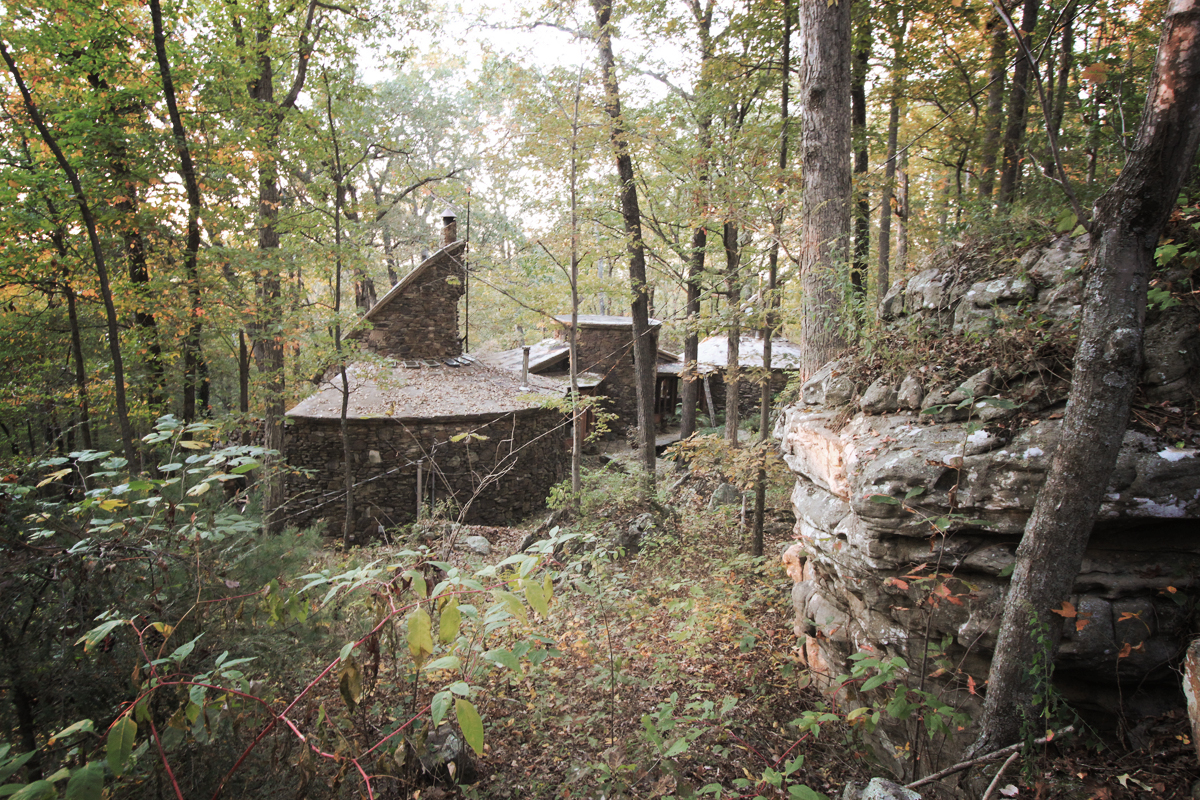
[[470, 724], [884, 499], [537, 601], [192, 444], [420, 637], [505, 658], [450, 622], [36, 791], [548, 589], [439, 706], [184, 650], [346, 648], [445, 662], [513, 604], [242, 469], [82, 726], [87, 783], [14, 765], [873, 682], [99, 634], [120, 744], [681, 744]]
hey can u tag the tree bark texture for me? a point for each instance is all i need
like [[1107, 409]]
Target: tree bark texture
[[823, 29], [858, 113], [886, 211], [690, 394], [645, 357], [187, 170], [1127, 224], [733, 303], [994, 115], [1018, 105]]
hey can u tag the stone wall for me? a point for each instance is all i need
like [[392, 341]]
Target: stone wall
[[419, 317], [608, 351], [481, 469], [907, 523]]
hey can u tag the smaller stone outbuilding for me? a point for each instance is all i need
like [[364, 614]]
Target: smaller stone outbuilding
[[712, 360]]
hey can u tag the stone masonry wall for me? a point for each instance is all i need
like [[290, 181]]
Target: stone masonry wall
[[421, 321], [482, 465], [608, 351]]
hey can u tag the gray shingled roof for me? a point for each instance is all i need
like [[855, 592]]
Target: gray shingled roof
[[423, 392]]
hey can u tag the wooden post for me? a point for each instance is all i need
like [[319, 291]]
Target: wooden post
[[420, 493]]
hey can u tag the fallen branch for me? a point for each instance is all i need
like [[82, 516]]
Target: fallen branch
[[959, 767]]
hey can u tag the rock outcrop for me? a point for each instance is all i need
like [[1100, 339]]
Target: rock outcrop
[[913, 490]]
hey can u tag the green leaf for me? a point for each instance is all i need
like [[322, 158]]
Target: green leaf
[[15, 764], [439, 706], [36, 791], [873, 682], [1066, 221], [450, 622], [1008, 570], [120, 744], [537, 601], [98, 634], [505, 658], [802, 792], [911, 493], [87, 783], [445, 662], [513, 604], [470, 724], [420, 638], [681, 744], [242, 469], [82, 726], [884, 499], [184, 650]]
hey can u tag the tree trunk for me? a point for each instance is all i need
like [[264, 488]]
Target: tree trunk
[[1018, 104], [187, 169], [994, 115], [1127, 224], [772, 299], [733, 304], [690, 395], [1066, 61], [899, 70], [902, 212], [858, 113], [645, 358], [824, 31], [89, 221]]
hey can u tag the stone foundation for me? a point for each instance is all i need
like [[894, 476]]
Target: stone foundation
[[483, 471]]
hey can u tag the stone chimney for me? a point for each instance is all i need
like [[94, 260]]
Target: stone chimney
[[449, 226]]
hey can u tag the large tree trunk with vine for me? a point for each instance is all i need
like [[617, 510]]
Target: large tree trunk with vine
[[644, 355], [1127, 224], [824, 46]]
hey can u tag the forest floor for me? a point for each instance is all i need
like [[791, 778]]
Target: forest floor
[[678, 674]]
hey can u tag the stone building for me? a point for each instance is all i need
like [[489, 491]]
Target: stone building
[[606, 365], [712, 359], [428, 424]]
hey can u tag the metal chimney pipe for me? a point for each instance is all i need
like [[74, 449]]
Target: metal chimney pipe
[[449, 226], [525, 365]]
